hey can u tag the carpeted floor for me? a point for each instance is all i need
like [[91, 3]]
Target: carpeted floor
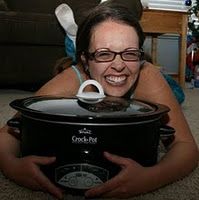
[[185, 189]]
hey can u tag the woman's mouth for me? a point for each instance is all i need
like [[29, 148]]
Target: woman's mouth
[[116, 80]]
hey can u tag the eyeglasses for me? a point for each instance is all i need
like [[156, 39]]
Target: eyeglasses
[[105, 55]]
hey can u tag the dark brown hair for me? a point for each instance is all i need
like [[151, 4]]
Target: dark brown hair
[[115, 10], [99, 14], [134, 6]]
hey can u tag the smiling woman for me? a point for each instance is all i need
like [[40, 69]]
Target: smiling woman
[[109, 69], [115, 28]]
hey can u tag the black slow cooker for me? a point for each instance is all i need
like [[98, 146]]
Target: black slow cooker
[[77, 132]]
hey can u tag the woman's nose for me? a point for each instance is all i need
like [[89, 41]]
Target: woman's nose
[[118, 64]]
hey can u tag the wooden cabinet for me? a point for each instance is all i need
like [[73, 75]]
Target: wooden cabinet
[[157, 22]]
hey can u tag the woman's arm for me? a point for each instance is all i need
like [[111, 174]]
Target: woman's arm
[[25, 170], [181, 158], [9, 147], [65, 83]]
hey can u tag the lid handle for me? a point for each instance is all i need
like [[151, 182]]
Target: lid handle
[[90, 95]]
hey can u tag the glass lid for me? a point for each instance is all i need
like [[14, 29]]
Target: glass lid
[[107, 107]]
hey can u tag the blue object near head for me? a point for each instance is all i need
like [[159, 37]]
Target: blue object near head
[[70, 49], [175, 87]]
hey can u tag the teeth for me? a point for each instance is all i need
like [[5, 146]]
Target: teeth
[[115, 79]]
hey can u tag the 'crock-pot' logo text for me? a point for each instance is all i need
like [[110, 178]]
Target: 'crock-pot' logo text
[[84, 140]]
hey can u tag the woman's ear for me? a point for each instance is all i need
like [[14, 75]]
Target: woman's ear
[[84, 62], [83, 58]]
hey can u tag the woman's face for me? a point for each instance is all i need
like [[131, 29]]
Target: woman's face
[[118, 76]]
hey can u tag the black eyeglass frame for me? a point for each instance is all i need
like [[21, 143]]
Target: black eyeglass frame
[[92, 56]]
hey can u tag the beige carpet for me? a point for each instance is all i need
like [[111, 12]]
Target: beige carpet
[[185, 189]]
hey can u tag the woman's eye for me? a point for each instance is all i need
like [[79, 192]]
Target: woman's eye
[[131, 54], [103, 54]]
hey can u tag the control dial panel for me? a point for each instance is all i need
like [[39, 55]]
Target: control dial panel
[[80, 176]]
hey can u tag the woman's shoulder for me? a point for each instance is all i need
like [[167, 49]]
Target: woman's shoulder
[[149, 68], [148, 73], [65, 83], [150, 82]]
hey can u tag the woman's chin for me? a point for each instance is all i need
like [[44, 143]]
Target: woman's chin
[[117, 90], [115, 93]]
